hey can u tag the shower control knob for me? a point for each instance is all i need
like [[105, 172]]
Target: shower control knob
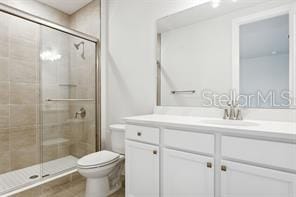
[[82, 113]]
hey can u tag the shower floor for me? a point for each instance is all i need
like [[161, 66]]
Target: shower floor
[[19, 178]]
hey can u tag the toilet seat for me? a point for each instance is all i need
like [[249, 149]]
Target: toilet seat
[[98, 159]]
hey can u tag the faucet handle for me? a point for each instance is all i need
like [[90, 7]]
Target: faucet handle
[[239, 115], [226, 114]]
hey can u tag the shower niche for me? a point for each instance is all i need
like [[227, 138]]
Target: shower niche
[[47, 75]]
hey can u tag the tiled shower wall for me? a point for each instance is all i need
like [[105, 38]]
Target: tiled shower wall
[[19, 133], [86, 20], [20, 137], [82, 133], [27, 127]]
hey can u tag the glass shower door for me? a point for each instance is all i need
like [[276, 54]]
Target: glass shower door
[[19, 84], [47, 100], [67, 95]]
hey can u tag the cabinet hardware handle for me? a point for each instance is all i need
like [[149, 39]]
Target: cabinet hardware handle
[[209, 165], [139, 133], [224, 168], [155, 152]]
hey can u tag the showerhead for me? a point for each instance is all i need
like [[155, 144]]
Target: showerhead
[[77, 46]]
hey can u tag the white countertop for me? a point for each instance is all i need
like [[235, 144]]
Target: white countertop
[[272, 129]]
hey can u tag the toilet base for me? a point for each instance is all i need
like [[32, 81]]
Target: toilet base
[[97, 187], [102, 181], [92, 188]]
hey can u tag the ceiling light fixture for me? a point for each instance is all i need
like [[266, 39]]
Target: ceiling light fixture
[[274, 52], [216, 3]]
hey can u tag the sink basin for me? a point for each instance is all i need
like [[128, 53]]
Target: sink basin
[[230, 122]]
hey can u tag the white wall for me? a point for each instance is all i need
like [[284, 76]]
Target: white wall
[[128, 56]]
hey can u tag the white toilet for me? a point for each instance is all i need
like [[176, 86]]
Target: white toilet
[[102, 169]]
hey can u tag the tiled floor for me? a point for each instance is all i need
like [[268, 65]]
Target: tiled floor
[[120, 193], [17, 178], [69, 186]]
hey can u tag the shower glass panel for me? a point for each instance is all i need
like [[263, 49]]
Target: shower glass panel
[[47, 101], [67, 71], [19, 101]]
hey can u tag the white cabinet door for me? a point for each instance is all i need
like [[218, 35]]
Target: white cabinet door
[[187, 175], [142, 170], [240, 180]]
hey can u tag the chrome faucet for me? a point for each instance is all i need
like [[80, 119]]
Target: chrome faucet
[[233, 112]]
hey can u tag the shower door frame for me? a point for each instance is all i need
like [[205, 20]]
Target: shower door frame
[[35, 19]]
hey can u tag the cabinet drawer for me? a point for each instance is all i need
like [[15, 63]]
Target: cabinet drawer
[[142, 134], [197, 142], [271, 153]]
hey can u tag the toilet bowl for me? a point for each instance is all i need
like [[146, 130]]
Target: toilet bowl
[[102, 169]]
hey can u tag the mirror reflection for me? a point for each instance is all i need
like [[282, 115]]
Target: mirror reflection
[[228, 51], [264, 66]]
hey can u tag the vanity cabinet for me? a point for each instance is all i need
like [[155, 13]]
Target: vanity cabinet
[[186, 174], [263, 152], [142, 170], [176, 162], [240, 180]]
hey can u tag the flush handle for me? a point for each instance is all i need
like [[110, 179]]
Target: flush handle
[[224, 168], [139, 134], [209, 165], [155, 152]]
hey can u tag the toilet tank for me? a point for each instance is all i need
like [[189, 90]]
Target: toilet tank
[[117, 138]]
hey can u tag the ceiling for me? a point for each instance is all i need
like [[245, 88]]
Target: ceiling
[[202, 12], [66, 6]]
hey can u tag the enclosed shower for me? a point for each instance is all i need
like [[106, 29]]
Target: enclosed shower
[[48, 99]]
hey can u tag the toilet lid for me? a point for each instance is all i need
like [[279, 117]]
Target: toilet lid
[[117, 127], [98, 159]]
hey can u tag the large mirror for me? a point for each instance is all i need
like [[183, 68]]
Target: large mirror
[[237, 50]]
